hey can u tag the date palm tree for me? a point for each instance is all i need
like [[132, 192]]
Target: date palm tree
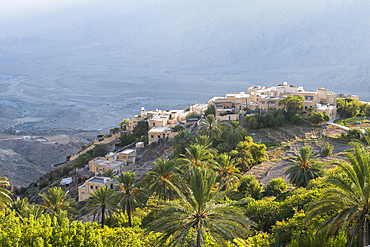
[[131, 194], [103, 201], [55, 200], [346, 201], [304, 167], [234, 133], [195, 156], [24, 209], [228, 173], [181, 141], [5, 199], [209, 126], [166, 169], [198, 214]]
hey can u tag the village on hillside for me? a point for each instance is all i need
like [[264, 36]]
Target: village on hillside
[[163, 125]]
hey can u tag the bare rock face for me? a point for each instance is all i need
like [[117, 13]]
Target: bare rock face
[[24, 159]]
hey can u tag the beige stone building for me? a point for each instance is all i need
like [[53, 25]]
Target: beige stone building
[[158, 118], [264, 98], [156, 133], [112, 161], [91, 185]]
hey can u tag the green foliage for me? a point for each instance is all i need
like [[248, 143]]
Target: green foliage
[[348, 107], [181, 141], [292, 103], [156, 179], [210, 127], [223, 148], [99, 150], [141, 128], [250, 187], [192, 115], [346, 201], [249, 154], [210, 110], [327, 149], [304, 167], [198, 214], [297, 119], [127, 139], [82, 160], [309, 238], [102, 202], [178, 128], [282, 230], [258, 240], [132, 195], [275, 187], [121, 220], [46, 231], [265, 213], [55, 199], [316, 117]]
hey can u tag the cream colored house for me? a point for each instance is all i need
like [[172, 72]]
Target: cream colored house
[[157, 133], [264, 98], [158, 118], [198, 109], [91, 185], [112, 161]]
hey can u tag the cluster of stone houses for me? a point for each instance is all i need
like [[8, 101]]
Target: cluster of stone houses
[[116, 162], [229, 107], [259, 98]]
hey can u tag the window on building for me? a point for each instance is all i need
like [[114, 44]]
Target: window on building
[[96, 187], [103, 169], [164, 135], [153, 124], [111, 186], [91, 187], [263, 102], [152, 136], [305, 107], [272, 102], [97, 169], [159, 136]]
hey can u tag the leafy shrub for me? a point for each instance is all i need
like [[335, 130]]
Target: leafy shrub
[[250, 187], [275, 187], [328, 149], [264, 213], [43, 185]]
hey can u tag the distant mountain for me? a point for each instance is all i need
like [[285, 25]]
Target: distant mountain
[[115, 56]]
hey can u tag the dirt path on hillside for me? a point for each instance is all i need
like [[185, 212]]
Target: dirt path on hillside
[[277, 170]]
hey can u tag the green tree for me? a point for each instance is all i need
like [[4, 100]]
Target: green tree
[[156, 179], [275, 187], [316, 117], [103, 201], [297, 119], [198, 214], [131, 194], [209, 126], [127, 139], [141, 128], [195, 155], [55, 200], [292, 103], [181, 141], [23, 209], [346, 201], [210, 110], [304, 167], [192, 115], [250, 187], [327, 149], [228, 173], [234, 133], [249, 153]]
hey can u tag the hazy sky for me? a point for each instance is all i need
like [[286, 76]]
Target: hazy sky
[[16, 8]]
